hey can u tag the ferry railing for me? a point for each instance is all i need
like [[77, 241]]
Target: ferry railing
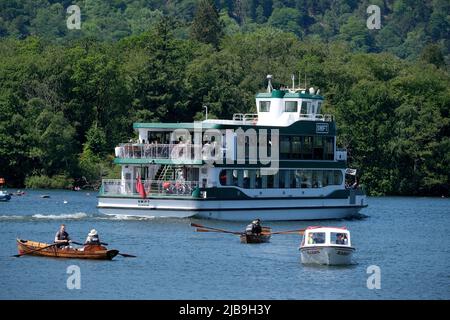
[[118, 187], [179, 151], [315, 117], [245, 118], [155, 151]]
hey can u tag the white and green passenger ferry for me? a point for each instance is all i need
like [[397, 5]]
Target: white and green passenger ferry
[[281, 163]]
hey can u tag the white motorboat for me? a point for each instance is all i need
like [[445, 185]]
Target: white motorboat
[[326, 246], [4, 195]]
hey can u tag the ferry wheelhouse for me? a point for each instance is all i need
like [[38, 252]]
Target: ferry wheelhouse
[[281, 163]]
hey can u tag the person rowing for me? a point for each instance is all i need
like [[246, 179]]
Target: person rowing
[[62, 237], [254, 227]]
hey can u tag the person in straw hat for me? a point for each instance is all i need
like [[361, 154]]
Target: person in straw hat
[[92, 238]]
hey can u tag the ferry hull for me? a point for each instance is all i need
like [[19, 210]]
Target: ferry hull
[[237, 210], [327, 255]]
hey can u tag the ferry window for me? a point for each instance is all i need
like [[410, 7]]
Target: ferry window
[[290, 106], [301, 176], [240, 178], [316, 237], [304, 108], [229, 177], [223, 177], [292, 179], [258, 179], [235, 177], [276, 180], [263, 181], [339, 238], [318, 148], [329, 177], [296, 147], [319, 106], [250, 179], [245, 179], [264, 106], [321, 178], [270, 180], [315, 182], [337, 177], [298, 179], [282, 179], [329, 148], [307, 147], [284, 147]]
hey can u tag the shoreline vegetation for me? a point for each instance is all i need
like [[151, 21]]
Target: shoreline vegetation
[[68, 97]]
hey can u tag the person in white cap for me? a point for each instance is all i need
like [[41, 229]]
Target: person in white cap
[[92, 238]]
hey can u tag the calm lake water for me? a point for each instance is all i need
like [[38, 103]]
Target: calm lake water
[[408, 238]]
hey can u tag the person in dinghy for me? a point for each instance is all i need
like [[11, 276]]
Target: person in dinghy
[[62, 238], [92, 238], [254, 228], [93, 242]]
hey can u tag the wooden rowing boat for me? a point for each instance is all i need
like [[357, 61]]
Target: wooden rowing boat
[[97, 252], [255, 238], [264, 236]]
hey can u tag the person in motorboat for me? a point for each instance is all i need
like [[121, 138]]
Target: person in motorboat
[[310, 239], [339, 238], [62, 238], [254, 227], [344, 239]]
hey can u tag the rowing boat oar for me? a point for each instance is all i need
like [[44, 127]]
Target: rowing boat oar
[[217, 230], [221, 231], [22, 254], [300, 231], [126, 255]]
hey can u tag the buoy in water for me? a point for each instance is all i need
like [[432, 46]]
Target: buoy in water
[[65, 201]]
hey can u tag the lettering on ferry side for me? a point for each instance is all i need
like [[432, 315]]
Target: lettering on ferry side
[[322, 128], [191, 310], [143, 203]]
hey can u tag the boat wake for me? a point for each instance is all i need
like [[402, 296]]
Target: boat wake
[[78, 215], [125, 217], [71, 216]]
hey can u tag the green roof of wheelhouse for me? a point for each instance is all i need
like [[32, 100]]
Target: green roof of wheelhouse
[[286, 94], [177, 125]]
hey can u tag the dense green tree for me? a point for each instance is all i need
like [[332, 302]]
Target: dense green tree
[[206, 26], [433, 54], [286, 19]]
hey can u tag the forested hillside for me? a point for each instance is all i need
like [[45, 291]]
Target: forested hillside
[[407, 26], [67, 97]]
